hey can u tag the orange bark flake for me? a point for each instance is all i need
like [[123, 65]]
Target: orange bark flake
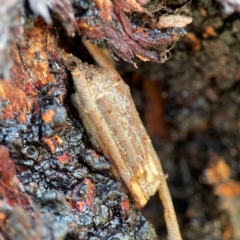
[[80, 206], [125, 206], [227, 233], [107, 6], [2, 217], [196, 45], [28, 73], [9, 184], [218, 171], [218, 175], [209, 32], [144, 59], [14, 102], [53, 142], [34, 55], [19, 76], [229, 189], [203, 12], [50, 144], [30, 89], [48, 115], [64, 158], [7, 168], [91, 192], [20, 80]]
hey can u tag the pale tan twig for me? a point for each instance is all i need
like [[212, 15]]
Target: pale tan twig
[[169, 212], [101, 59]]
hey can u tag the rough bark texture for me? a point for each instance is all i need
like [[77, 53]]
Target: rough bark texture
[[62, 182], [62, 189], [106, 22]]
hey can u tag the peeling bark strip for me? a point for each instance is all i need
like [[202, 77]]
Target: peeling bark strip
[[108, 23], [110, 118], [164, 194], [109, 115]]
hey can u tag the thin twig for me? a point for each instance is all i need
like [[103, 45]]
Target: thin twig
[[101, 59], [169, 212]]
